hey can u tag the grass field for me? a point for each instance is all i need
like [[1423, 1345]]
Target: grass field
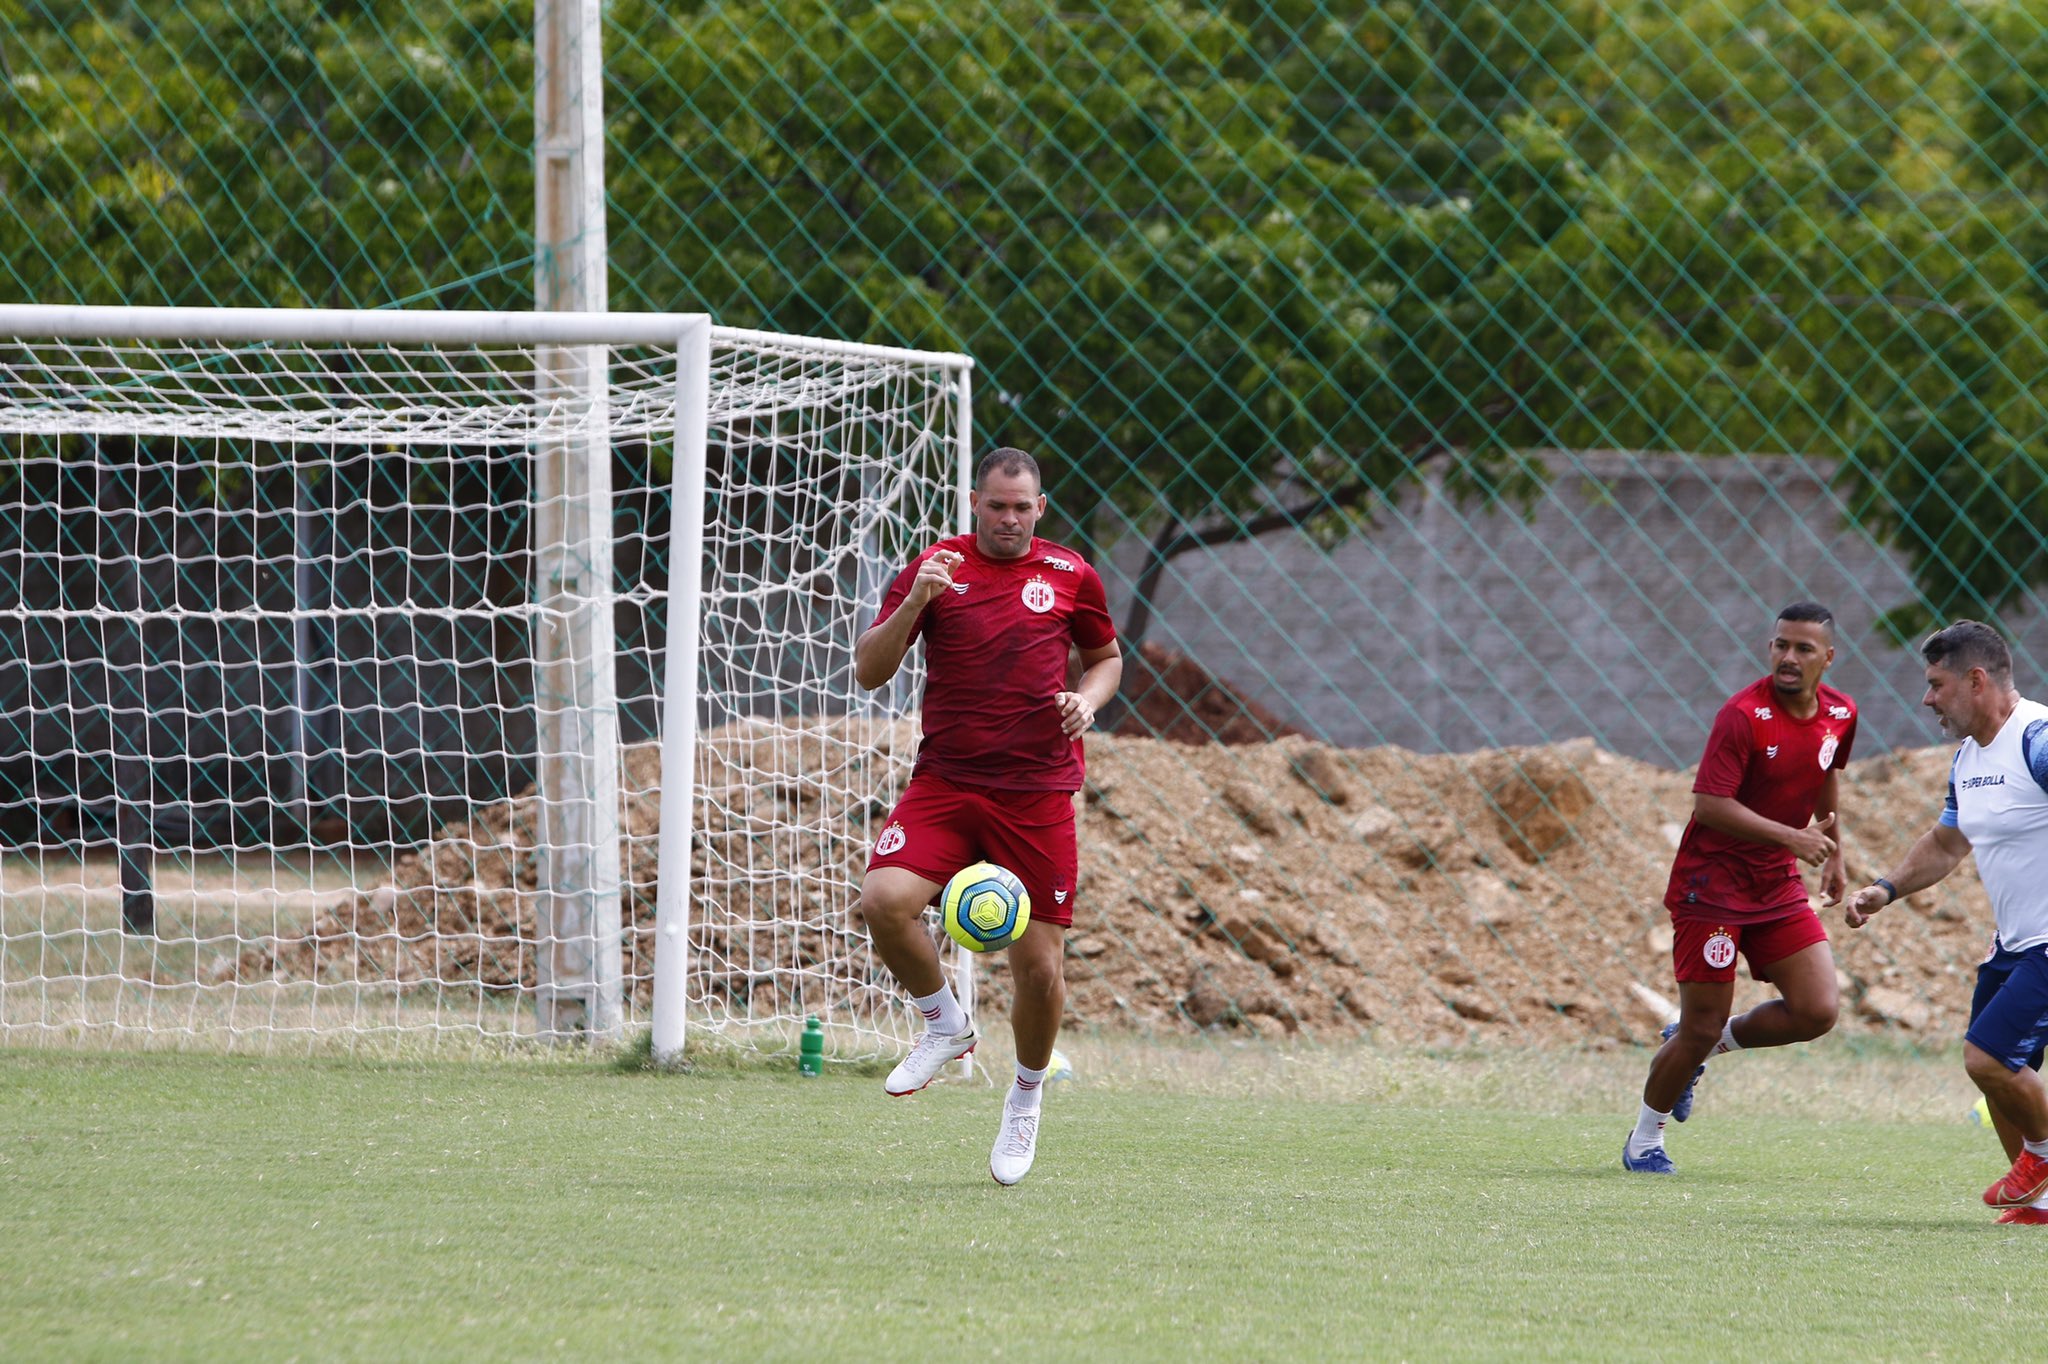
[[1202, 1201]]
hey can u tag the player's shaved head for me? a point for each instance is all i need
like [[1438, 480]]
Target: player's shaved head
[[1811, 612], [1007, 460], [1969, 644]]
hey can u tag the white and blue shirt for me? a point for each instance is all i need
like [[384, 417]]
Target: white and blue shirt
[[1998, 799]]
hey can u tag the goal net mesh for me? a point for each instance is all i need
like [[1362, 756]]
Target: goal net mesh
[[269, 623]]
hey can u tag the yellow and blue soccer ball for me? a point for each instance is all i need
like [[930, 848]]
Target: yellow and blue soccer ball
[[984, 908]]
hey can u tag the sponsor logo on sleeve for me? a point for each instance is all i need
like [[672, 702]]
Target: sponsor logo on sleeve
[[1838, 712], [1720, 950], [1771, 751], [1063, 565], [1763, 712]]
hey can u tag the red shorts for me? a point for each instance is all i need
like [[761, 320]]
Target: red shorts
[[941, 826], [1703, 950]]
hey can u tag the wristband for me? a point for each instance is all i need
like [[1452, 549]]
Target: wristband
[[1889, 889]]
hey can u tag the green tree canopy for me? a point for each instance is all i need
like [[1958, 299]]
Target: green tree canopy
[[1230, 267]]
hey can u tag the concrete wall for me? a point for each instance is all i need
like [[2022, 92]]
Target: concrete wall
[[1627, 603]]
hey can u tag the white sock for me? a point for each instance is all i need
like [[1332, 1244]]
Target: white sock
[[1649, 1133], [2039, 1148], [1029, 1091], [942, 1013], [1727, 1042]]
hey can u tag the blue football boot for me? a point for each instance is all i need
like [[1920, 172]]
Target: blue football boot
[[1651, 1162], [1682, 1110]]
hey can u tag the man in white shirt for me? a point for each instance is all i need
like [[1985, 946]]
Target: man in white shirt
[[1997, 807]]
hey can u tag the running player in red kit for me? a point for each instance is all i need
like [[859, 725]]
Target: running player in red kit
[[996, 774], [1763, 802]]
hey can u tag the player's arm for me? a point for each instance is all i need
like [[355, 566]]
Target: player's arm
[[1834, 875], [1933, 856], [1102, 670], [1812, 845], [878, 654]]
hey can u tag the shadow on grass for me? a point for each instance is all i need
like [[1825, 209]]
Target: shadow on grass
[[1915, 1226], [636, 1057]]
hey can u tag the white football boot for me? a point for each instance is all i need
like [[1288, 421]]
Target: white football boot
[[1016, 1144], [928, 1056]]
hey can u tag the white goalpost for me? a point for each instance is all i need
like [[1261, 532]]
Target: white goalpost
[[437, 674]]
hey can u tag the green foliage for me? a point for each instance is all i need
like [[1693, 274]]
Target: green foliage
[[1151, 278], [1202, 254], [290, 154]]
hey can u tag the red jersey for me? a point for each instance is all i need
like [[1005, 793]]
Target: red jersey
[[1775, 765], [995, 656]]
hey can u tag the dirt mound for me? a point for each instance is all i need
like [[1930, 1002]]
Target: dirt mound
[[1167, 695], [1437, 898], [1276, 887], [464, 909]]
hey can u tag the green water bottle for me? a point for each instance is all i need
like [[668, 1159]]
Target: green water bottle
[[811, 1058]]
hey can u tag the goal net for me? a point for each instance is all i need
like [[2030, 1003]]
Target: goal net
[[337, 689]]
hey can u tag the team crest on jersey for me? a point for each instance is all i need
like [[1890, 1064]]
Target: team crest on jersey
[[1038, 596], [1838, 712], [1763, 712], [1827, 751], [1720, 950], [892, 840]]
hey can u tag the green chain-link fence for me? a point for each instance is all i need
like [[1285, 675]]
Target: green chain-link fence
[[1439, 386]]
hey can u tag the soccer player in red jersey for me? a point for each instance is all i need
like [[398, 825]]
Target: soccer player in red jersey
[[1763, 802], [998, 611]]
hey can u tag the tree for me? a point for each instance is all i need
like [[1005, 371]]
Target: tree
[[1232, 269], [1165, 281], [301, 153]]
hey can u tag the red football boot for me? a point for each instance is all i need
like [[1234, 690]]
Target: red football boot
[[2022, 1184], [2024, 1217]]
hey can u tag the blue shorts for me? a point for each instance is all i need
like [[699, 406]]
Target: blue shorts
[[2009, 1012]]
